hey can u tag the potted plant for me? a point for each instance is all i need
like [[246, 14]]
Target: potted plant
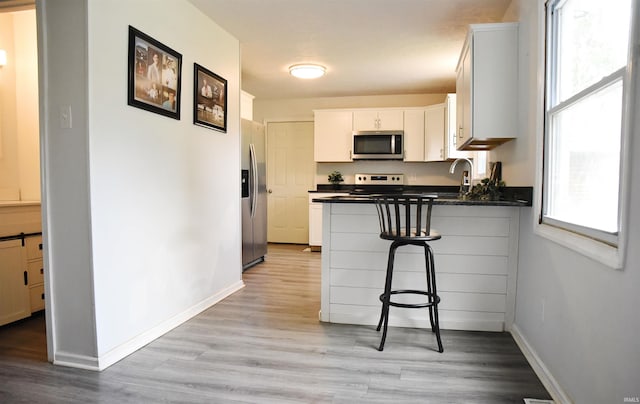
[[488, 189], [335, 178]]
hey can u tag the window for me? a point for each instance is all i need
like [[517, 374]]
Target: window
[[587, 93]]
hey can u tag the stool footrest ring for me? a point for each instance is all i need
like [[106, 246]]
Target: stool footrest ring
[[436, 299]]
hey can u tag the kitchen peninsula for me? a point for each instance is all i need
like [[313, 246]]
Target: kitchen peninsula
[[476, 263]]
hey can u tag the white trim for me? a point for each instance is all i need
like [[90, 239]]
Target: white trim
[[120, 352], [546, 377], [608, 255], [512, 277], [85, 362], [596, 250], [325, 285]]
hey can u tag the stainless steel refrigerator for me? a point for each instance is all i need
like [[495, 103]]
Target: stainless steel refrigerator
[[254, 194]]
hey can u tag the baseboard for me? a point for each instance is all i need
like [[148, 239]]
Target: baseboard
[[120, 352], [76, 361], [550, 383]]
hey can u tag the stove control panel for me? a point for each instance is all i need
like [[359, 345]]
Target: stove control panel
[[379, 179]]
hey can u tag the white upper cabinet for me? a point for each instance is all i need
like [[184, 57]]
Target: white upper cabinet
[[450, 129], [487, 87], [414, 135], [332, 136], [391, 119], [434, 133], [429, 131]]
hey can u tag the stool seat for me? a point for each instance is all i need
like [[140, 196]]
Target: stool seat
[[405, 219]]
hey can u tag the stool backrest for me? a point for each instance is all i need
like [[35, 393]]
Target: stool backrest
[[403, 216]]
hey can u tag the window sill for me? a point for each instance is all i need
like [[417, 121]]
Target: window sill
[[610, 256]]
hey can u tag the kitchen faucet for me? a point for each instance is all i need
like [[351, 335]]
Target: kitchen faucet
[[463, 184]]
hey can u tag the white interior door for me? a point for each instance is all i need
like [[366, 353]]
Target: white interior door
[[290, 175]]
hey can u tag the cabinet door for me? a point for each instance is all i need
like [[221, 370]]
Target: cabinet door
[[451, 130], [365, 120], [390, 120], [34, 247], [464, 95], [315, 218], [434, 134], [494, 82], [14, 291], [332, 136], [414, 135]]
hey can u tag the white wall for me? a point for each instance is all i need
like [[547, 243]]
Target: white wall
[[158, 203], [26, 59], [19, 148], [9, 174], [301, 109], [579, 316], [518, 156], [66, 226]]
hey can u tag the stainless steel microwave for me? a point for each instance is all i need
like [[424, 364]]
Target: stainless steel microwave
[[378, 145]]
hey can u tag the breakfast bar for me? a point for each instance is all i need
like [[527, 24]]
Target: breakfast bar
[[476, 263]]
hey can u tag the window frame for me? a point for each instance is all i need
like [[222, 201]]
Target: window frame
[[596, 244]]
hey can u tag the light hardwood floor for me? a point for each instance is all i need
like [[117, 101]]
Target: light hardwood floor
[[265, 344]]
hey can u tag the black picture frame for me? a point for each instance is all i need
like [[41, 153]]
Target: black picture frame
[[209, 99], [155, 75]]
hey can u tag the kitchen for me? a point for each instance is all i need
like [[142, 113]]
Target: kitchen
[[567, 341]]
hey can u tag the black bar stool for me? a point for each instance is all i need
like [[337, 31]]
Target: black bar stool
[[405, 219]]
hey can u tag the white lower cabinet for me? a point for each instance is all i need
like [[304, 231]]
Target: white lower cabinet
[[315, 219], [21, 265], [14, 288], [35, 267]]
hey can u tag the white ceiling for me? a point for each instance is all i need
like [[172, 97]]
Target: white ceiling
[[369, 47]]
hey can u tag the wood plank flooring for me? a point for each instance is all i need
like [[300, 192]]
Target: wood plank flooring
[[265, 344]]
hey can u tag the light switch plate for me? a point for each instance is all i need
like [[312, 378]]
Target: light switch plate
[[65, 117]]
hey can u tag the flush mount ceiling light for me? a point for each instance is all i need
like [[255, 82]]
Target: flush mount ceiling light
[[307, 71]]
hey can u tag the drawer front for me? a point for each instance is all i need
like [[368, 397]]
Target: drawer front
[[34, 247], [36, 272], [37, 298]]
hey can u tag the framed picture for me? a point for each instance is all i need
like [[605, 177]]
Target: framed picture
[[210, 99], [154, 75]]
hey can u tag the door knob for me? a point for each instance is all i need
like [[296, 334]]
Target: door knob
[[270, 191]]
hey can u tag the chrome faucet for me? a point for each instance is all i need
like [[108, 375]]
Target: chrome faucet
[[452, 169]]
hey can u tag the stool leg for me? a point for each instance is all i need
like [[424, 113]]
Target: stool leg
[[430, 295], [386, 296], [433, 310]]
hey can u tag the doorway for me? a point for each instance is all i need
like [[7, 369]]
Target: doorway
[[290, 176], [20, 181]]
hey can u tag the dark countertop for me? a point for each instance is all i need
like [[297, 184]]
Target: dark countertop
[[447, 195]]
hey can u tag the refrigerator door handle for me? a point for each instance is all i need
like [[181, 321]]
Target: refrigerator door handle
[[254, 179]]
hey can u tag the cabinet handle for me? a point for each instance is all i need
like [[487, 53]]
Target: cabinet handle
[[41, 271], [42, 296], [26, 278], [40, 246]]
